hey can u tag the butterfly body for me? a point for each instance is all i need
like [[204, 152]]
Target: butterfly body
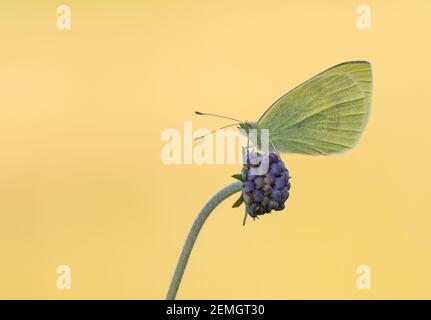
[[247, 126]]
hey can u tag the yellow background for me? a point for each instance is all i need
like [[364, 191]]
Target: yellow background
[[82, 183]]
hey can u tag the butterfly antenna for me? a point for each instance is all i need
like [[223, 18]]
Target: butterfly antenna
[[216, 115], [229, 125]]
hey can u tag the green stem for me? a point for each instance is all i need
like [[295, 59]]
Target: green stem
[[194, 231]]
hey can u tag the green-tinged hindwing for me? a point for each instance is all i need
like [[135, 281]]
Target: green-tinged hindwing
[[325, 114]]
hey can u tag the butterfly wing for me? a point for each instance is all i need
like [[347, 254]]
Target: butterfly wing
[[326, 114]]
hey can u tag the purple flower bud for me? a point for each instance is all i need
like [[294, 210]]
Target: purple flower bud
[[272, 204], [269, 179], [248, 199], [251, 177], [257, 195], [264, 202], [276, 195], [258, 182], [248, 186], [284, 175], [280, 207], [267, 189], [273, 158], [284, 194], [276, 169], [280, 183], [252, 209]]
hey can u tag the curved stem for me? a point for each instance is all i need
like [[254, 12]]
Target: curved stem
[[206, 210]]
